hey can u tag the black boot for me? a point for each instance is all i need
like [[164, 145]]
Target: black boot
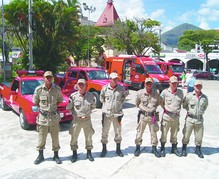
[[137, 151], [74, 156], [56, 158], [155, 152], [198, 151], [118, 150], [162, 150], [40, 158], [104, 151], [184, 150], [175, 151], [89, 156]]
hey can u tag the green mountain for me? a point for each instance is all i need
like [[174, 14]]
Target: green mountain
[[170, 37]]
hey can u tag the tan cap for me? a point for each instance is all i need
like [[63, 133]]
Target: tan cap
[[173, 79], [48, 73], [81, 81], [149, 79], [113, 75], [198, 82]]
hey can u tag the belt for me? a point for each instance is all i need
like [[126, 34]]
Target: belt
[[145, 113], [171, 113], [195, 116], [83, 117], [46, 113]]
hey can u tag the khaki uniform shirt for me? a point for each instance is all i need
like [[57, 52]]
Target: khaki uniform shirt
[[171, 102], [113, 100], [196, 107], [147, 102], [81, 106], [48, 100]]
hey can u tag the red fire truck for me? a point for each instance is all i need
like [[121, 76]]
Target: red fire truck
[[133, 70]]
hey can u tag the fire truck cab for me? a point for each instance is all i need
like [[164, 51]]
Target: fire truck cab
[[171, 68]]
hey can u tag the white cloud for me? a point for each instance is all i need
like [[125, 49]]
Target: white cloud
[[125, 8], [156, 14], [211, 4], [208, 12], [204, 25], [130, 9], [187, 16]]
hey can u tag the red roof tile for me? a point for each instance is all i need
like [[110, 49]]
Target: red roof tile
[[109, 16]]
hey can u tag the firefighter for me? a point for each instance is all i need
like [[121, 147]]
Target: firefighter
[[112, 97], [147, 101], [81, 104], [47, 96]]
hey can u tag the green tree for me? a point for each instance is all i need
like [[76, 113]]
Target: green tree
[[80, 48], [205, 38], [54, 29], [134, 36], [191, 37]]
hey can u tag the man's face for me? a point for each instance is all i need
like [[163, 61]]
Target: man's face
[[198, 88], [81, 87], [148, 85], [173, 85], [48, 80], [114, 81]]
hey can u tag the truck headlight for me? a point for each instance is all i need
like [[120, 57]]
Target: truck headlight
[[35, 109]]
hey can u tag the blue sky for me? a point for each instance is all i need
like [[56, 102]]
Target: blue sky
[[171, 13]]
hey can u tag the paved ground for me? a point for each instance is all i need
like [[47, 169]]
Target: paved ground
[[17, 151]]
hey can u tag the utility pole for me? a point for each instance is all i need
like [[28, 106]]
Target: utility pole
[[30, 35], [90, 10], [3, 41]]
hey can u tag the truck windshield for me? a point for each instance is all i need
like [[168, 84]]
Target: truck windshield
[[97, 75], [28, 87], [177, 68], [153, 69]]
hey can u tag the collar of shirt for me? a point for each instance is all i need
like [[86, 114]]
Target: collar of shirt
[[110, 87], [82, 95], [169, 89], [147, 93], [198, 96], [44, 86]]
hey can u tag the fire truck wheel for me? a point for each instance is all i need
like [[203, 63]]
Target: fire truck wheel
[[23, 122], [3, 105], [97, 99]]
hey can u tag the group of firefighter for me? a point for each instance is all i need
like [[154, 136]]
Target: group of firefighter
[[113, 96]]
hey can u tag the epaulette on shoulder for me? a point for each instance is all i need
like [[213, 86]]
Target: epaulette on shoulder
[[75, 93], [39, 88]]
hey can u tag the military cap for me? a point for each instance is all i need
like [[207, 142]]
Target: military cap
[[114, 75], [173, 79], [48, 73]]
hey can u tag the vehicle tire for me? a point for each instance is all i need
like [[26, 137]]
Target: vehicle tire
[[4, 106], [97, 99], [23, 121]]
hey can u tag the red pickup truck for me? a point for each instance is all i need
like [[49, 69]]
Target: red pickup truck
[[96, 78], [18, 94]]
